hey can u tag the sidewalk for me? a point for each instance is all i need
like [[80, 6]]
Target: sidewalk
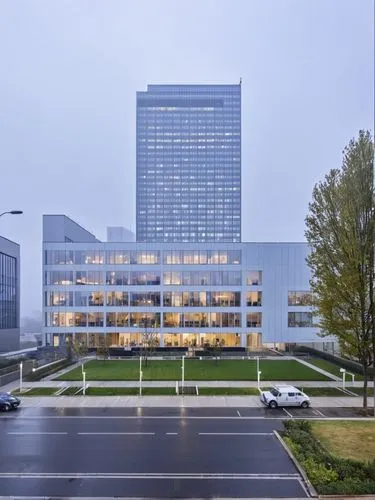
[[175, 401], [172, 383]]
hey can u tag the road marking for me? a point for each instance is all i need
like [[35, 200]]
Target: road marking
[[235, 433], [289, 414], [116, 433], [238, 413], [318, 412], [171, 433], [35, 433], [172, 475]]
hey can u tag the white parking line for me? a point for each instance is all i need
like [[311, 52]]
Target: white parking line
[[318, 412], [238, 413], [289, 414]]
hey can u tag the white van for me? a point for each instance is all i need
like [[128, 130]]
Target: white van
[[284, 395]]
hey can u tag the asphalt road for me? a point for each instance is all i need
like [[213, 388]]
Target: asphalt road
[[153, 452]]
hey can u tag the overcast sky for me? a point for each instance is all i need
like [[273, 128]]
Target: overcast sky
[[69, 72]]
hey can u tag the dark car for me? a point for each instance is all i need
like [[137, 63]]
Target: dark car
[[8, 401]]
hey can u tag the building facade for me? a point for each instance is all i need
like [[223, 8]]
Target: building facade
[[9, 295], [243, 294], [189, 163]]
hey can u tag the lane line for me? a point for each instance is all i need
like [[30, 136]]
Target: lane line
[[115, 433], [289, 414], [235, 433], [238, 413], [36, 433], [171, 433]]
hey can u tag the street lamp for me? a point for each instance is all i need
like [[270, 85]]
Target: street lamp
[[12, 212], [140, 373], [183, 374], [21, 366], [259, 374], [343, 371]]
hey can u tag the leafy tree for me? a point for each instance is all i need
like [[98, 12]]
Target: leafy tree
[[340, 231]]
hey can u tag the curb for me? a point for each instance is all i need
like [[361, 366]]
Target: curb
[[310, 488]]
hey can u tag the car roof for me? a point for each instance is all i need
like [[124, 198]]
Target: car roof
[[286, 388]]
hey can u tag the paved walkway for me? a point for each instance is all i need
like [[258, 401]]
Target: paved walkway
[[172, 383], [176, 401]]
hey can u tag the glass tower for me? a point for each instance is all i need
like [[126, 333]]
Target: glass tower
[[189, 163]]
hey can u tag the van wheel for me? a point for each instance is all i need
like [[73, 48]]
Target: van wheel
[[304, 404], [272, 404]]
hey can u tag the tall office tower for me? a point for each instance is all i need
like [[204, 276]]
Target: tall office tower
[[189, 163]]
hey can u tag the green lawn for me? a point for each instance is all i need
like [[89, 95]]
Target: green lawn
[[280, 370], [228, 391], [355, 440], [323, 391], [359, 390], [130, 391], [332, 368]]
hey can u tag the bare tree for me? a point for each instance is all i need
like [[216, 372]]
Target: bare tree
[[149, 341]]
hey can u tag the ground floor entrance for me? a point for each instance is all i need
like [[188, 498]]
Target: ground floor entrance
[[252, 341]]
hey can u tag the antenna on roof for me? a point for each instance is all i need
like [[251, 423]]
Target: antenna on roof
[[241, 80]]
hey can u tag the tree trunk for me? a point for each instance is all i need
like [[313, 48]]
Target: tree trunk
[[365, 383]]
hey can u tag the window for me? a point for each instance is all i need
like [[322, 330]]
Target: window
[[300, 319], [145, 299], [144, 278], [8, 291], [254, 299], [56, 257], [95, 319], [118, 257], [299, 298], [117, 298], [254, 277], [117, 277], [224, 299], [172, 278], [60, 299], [145, 320], [58, 278], [254, 320], [89, 257]]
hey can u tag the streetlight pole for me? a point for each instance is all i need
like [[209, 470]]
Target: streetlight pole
[[343, 371], [183, 374], [21, 367], [84, 383], [259, 374], [140, 373]]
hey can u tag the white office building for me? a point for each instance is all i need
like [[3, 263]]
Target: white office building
[[189, 294]]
